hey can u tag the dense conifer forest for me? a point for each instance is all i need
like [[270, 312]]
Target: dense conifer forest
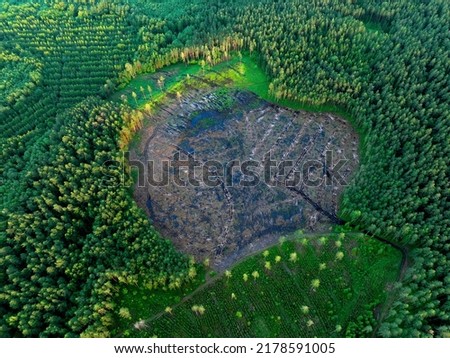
[[71, 237]]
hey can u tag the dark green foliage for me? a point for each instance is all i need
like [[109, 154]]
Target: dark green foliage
[[64, 237], [70, 241]]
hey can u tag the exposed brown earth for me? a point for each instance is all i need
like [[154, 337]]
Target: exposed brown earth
[[227, 221]]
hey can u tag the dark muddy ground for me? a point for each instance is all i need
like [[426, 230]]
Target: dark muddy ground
[[229, 220]]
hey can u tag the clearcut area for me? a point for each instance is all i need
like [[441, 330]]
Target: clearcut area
[[271, 171]]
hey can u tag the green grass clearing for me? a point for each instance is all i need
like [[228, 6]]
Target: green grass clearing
[[243, 73], [281, 296]]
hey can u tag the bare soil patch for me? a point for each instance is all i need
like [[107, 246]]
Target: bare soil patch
[[229, 220]]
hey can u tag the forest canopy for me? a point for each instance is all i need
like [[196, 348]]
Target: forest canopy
[[68, 239]]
